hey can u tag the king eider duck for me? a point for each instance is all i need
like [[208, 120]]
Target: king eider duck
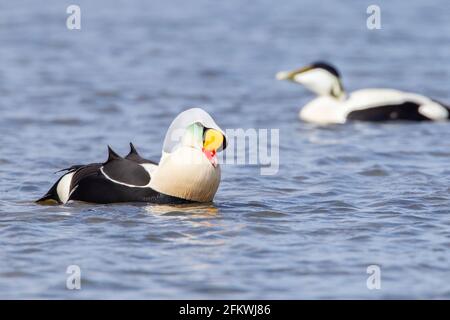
[[333, 106], [188, 170]]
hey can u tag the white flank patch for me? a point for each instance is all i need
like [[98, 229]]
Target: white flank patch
[[63, 187], [434, 111]]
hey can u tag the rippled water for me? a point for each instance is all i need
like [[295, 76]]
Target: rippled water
[[345, 197]]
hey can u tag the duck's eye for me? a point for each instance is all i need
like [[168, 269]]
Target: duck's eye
[[212, 140]]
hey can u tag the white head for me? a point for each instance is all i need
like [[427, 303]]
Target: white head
[[321, 78], [188, 168]]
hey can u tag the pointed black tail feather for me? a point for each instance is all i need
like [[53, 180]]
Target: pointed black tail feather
[[51, 197], [48, 200]]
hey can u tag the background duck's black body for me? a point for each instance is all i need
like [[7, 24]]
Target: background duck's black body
[[405, 111], [117, 180], [408, 111]]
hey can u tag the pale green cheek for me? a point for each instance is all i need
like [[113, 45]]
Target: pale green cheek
[[193, 136]]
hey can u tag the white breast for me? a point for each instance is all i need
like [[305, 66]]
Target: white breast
[[187, 174], [324, 110]]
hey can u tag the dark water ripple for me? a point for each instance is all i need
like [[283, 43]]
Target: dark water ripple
[[345, 197]]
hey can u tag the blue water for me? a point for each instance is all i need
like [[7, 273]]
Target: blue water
[[345, 197]]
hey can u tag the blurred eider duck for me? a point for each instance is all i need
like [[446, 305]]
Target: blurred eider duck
[[188, 170], [334, 106]]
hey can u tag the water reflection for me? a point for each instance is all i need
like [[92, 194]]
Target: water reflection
[[194, 210]]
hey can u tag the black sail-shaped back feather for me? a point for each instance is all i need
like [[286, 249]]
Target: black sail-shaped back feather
[[133, 155], [112, 155]]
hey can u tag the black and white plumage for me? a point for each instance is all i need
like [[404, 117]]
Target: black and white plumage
[[333, 106], [188, 170], [116, 180]]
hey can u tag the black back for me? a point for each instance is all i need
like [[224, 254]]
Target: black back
[[89, 184]]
